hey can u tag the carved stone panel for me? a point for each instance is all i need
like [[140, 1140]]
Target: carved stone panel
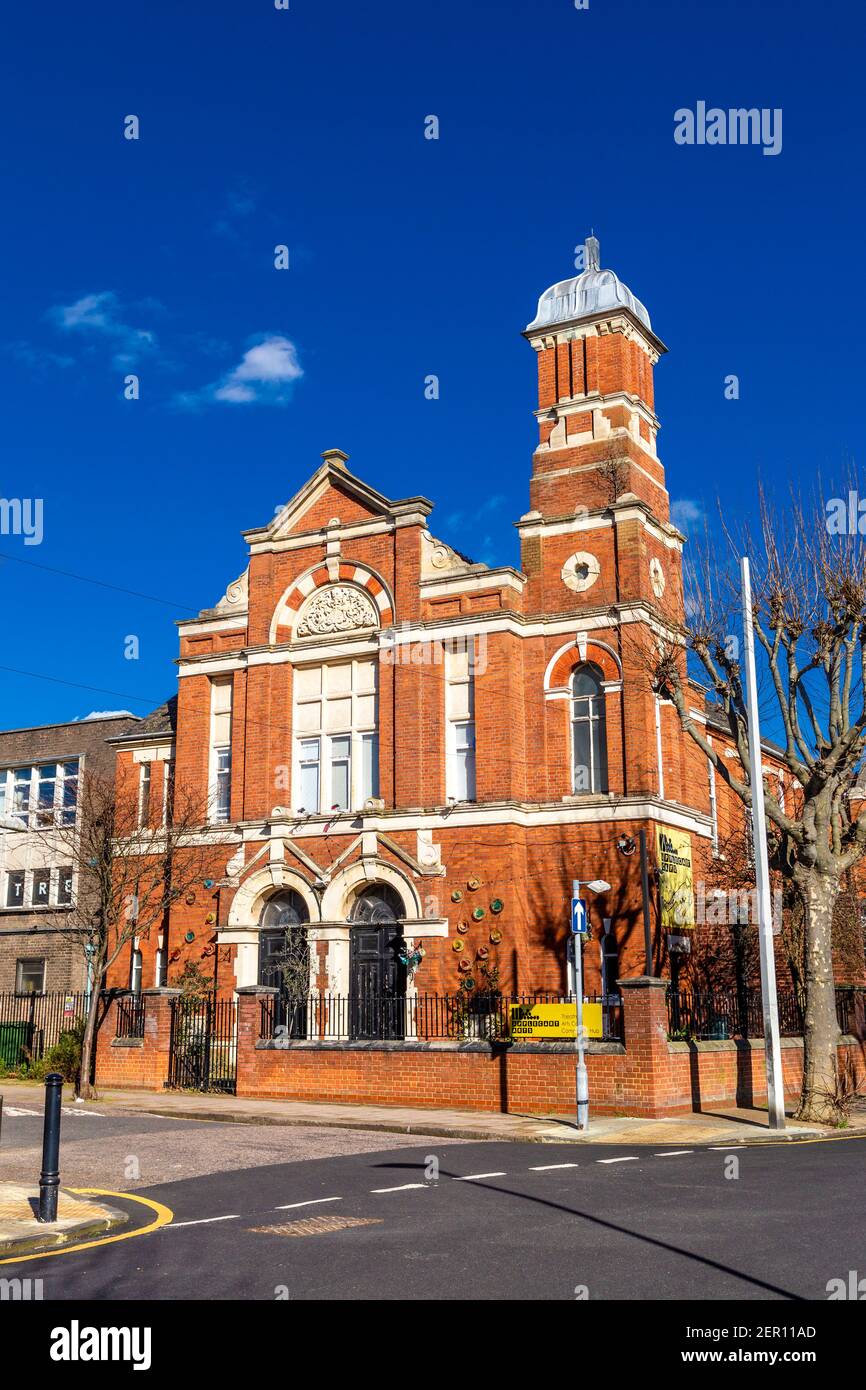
[[336, 608]]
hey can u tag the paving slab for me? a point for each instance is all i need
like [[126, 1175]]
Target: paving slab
[[78, 1218]]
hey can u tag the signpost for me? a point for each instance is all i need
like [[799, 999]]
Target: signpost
[[580, 930]]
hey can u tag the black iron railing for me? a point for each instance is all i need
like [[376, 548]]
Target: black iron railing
[[203, 1054], [31, 1024], [130, 1017], [709, 1015], [417, 1017]]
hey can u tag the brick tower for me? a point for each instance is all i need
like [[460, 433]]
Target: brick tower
[[596, 475]]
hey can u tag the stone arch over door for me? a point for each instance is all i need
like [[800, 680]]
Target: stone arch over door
[[245, 916], [339, 906], [340, 895]]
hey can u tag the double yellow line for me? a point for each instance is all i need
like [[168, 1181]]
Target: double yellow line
[[163, 1217]]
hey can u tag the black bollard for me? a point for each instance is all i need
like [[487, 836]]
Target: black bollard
[[49, 1178]]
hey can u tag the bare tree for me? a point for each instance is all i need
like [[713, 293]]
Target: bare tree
[[128, 874], [809, 609]]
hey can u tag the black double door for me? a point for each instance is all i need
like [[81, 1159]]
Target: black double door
[[378, 981]]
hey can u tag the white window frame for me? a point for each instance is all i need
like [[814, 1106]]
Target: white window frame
[[19, 906], [145, 788], [360, 733], [14, 780], [57, 899], [714, 806], [222, 805], [460, 772], [167, 780], [596, 715], [221, 724]]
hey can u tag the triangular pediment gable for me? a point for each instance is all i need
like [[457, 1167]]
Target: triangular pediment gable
[[332, 493]]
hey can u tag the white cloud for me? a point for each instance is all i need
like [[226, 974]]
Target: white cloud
[[265, 374], [100, 316], [685, 512]]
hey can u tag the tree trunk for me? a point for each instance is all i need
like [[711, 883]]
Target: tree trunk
[[86, 1090], [819, 1100]]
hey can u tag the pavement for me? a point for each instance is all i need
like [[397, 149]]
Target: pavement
[[747, 1125], [78, 1218]]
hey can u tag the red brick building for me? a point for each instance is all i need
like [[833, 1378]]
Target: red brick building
[[402, 749]]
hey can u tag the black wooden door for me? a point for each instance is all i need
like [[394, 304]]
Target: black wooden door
[[378, 989], [276, 946]]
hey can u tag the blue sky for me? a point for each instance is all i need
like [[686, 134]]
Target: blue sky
[[408, 257]]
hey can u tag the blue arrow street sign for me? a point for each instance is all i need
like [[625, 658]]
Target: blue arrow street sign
[[579, 917]]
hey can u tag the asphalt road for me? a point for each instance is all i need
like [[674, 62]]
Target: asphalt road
[[495, 1221], [104, 1146]]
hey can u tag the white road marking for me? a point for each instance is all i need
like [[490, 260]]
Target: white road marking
[[475, 1177], [14, 1111], [404, 1187], [68, 1110], [548, 1167], [205, 1221], [673, 1153], [290, 1206], [727, 1148], [632, 1158]]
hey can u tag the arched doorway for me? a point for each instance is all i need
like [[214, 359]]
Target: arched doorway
[[378, 979], [284, 959]]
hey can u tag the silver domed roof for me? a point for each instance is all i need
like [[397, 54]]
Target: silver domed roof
[[593, 292]]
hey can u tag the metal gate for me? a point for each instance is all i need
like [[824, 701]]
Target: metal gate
[[204, 1045]]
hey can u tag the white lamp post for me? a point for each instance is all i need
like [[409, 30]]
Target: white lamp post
[[595, 885]]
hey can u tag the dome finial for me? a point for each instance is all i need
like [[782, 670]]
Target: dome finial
[[592, 258]]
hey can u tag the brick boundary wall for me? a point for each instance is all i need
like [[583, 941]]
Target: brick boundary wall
[[649, 1076], [137, 1063]]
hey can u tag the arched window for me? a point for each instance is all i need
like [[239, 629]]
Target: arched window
[[379, 905], [588, 731]]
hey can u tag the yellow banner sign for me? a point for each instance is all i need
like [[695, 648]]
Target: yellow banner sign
[[676, 890], [557, 1021]]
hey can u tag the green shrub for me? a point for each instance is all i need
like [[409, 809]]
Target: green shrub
[[65, 1056]]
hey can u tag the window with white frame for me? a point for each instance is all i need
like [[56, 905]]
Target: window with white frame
[[67, 792], [588, 731], [15, 888], [41, 888], [221, 750], [41, 796], [167, 790], [460, 720], [21, 780], [64, 885], [135, 967], [336, 736], [46, 792], [144, 779], [714, 809]]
